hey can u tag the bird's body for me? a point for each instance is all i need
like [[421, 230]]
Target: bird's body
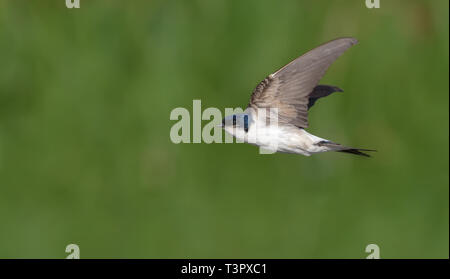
[[277, 114], [285, 139]]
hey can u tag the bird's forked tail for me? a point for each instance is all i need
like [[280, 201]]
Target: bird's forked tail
[[340, 148]]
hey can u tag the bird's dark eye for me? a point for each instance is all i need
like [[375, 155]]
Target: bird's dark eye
[[234, 120], [246, 123]]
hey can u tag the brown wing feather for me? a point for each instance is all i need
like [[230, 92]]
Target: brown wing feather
[[289, 88]]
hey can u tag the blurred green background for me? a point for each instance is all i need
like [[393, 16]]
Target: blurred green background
[[86, 158]]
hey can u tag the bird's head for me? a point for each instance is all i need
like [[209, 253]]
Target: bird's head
[[237, 124]]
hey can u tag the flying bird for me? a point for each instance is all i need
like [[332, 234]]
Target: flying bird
[[277, 115]]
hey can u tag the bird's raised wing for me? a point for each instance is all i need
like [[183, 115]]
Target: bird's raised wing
[[289, 88]]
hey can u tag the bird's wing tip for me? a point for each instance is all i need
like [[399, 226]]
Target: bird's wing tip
[[354, 41], [351, 40]]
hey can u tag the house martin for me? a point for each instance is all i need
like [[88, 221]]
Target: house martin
[[277, 115]]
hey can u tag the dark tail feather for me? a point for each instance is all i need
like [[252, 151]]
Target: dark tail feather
[[339, 148], [356, 151]]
